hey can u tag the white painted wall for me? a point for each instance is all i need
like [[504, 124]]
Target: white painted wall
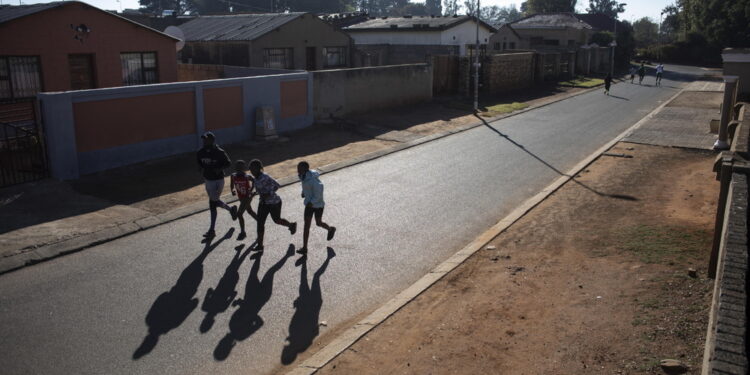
[[460, 35]]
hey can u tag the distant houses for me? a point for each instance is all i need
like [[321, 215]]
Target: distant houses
[[300, 41]]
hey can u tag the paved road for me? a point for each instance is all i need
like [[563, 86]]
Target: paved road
[[160, 302]]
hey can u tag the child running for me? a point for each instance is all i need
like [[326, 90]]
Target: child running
[[659, 73], [641, 74], [607, 83], [212, 160], [270, 202], [632, 74], [312, 192], [242, 186]]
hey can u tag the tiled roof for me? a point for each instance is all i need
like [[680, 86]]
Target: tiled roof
[[235, 26], [550, 21], [11, 12], [412, 23]]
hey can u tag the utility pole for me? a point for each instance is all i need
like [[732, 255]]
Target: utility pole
[[476, 63], [614, 44]]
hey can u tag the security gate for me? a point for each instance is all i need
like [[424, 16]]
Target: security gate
[[22, 154]]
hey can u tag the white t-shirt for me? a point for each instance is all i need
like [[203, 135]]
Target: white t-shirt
[[660, 68]]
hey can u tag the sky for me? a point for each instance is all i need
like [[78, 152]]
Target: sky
[[636, 9]]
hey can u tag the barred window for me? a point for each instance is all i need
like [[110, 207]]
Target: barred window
[[335, 56], [139, 68], [278, 58], [20, 77]]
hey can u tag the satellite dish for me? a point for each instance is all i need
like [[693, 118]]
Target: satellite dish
[[176, 32]]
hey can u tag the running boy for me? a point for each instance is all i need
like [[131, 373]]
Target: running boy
[[312, 192], [641, 74], [242, 186], [212, 160], [659, 73], [632, 74], [270, 202], [607, 83]]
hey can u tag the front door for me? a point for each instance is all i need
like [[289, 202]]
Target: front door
[[81, 72], [311, 61]]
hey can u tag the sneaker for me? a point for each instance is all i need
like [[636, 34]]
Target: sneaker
[[241, 236], [209, 234], [302, 250], [331, 233], [293, 228], [233, 212]]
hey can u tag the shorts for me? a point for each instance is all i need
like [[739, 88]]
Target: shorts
[[214, 189], [310, 211], [269, 209]]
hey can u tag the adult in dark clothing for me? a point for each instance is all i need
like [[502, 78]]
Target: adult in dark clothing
[[641, 73], [607, 83], [212, 160]]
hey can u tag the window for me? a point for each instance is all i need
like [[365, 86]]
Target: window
[[278, 58], [335, 56], [19, 77], [139, 68], [571, 43], [497, 46], [536, 40], [505, 45], [512, 45], [551, 42]]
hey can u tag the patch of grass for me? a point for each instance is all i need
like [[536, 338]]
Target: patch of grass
[[583, 82], [658, 244], [499, 109]]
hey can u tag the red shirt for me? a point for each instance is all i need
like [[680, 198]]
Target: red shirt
[[242, 184]]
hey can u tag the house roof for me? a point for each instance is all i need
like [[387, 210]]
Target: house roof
[[550, 21], [507, 26], [235, 26], [427, 23], [13, 12], [598, 21], [341, 20]]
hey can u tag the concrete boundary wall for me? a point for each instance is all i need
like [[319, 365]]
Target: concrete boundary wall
[[342, 92], [93, 130]]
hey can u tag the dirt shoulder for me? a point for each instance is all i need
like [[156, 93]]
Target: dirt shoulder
[[48, 212], [585, 283]]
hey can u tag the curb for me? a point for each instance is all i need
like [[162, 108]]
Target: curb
[[351, 335], [54, 250]]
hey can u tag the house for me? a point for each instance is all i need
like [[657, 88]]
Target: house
[[505, 39], [273, 40], [553, 31], [70, 45], [412, 39]]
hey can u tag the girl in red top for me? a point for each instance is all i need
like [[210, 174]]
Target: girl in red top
[[242, 186]]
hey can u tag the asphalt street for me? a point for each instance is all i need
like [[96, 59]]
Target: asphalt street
[[159, 301]]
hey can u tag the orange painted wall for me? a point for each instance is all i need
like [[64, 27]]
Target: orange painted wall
[[48, 34], [222, 107], [110, 123], [293, 98]]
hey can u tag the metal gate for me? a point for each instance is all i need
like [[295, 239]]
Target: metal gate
[[22, 153]]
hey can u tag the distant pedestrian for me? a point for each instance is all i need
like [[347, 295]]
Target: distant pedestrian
[[607, 83], [242, 186], [632, 74], [659, 73], [212, 160], [641, 74], [270, 202], [312, 192]]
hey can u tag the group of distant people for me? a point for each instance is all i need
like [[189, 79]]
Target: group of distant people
[[641, 71], [212, 161]]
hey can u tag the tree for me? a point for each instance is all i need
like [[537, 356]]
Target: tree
[[451, 7], [159, 6], [548, 6], [434, 7], [645, 32], [603, 38], [509, 14], [609, 7]]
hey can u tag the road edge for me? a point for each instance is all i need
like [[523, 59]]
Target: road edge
[[51, 251], [351, 335]]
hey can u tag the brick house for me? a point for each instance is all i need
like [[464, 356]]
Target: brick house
[[274, 40], [70, 45]]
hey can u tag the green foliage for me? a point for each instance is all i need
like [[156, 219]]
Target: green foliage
[[548, 6], [646, 32], [450, 7], [694, 49], [724, 23], [603, 38], [434, 7], [581, 81], [609, 7]]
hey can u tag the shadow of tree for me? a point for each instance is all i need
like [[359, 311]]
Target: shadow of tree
[[303, 327], [171, 308], [245, 321]]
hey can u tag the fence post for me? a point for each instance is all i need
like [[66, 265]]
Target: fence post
[[60, 134], [730, 88]]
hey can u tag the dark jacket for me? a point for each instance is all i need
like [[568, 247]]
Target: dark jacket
[[212, 161]]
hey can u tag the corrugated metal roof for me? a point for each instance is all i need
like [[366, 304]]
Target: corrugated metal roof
[[11, 12], [235, 26], [550, 20], [415, 22]]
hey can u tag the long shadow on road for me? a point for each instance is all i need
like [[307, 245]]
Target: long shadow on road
[[550, 166], [304, 325], [171, 308], [218, 300], [245, 321]]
